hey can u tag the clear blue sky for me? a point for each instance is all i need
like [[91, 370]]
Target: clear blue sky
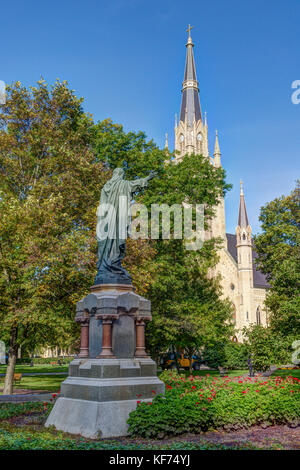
[[126, 58]]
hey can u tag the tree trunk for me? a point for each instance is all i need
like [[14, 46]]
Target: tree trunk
[[176, 360], [190, 354], [12, 359], [191, 365]]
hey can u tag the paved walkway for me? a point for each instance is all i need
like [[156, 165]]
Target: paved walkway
[[30, 374], [25, 398]]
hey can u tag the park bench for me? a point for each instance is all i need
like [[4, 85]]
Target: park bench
[[17, 378]]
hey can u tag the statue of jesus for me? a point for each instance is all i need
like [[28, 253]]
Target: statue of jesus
[[113, 225]]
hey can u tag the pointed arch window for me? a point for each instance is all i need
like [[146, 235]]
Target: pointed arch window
[[234, 314], [258, 316]]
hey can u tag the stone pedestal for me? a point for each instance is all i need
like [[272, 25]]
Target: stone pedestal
[[102, 389]]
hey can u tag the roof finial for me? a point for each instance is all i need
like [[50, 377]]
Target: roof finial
[[166, 142], [217, 147], [242, 191], [189, 41], [189, 30]]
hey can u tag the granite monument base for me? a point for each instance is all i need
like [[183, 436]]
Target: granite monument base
[[99, 394]]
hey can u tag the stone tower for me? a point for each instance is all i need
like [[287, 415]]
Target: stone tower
[[242, 283], [244, 259], [190, 132], [218, 228]]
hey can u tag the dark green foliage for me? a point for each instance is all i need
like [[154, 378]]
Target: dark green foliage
[[8, 410], [229, 355], [267, 348], [278, 248], [199, 404]]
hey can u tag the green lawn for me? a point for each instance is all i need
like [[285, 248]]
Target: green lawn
[[39, 368], [213, 373], [286, 373], [49, 383]]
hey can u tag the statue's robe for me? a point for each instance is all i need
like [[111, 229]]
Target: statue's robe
[[116, 195]]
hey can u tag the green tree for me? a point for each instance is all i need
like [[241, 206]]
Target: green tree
[[278, 248], [186, 298], [187, 307], [51, 179]]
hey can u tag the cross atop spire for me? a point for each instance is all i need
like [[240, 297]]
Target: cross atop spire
[[242, 191], [189, 31]]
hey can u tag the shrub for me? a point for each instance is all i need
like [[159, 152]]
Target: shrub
[[9, 410], [236, 356], [230, 355], [199, 404]]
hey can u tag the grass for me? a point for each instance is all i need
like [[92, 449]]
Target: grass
[[26, 438], [286, 373], [212, 373], [52, 383], [31, 434], [49, 383], [39, 368]]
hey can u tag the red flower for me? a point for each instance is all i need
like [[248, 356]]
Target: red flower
[[138, 402]]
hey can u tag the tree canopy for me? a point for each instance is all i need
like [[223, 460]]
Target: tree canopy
[[278, 248]]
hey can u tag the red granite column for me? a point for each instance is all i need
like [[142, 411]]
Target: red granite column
[[107, 321], [84, 338], [140, 338]]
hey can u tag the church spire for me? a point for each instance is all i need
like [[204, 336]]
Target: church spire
[[190, 102], [243, 217], [217, 152]]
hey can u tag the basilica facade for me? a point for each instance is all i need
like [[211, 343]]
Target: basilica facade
[[241, 281]]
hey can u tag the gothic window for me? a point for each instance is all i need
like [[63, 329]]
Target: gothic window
[[181, 140], [234, 314], [258, 316], [247, 316], [244, 236]]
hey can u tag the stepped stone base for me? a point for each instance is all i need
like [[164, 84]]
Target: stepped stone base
[[99, 394]]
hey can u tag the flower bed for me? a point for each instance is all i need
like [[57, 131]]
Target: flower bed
[[199, 404]]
